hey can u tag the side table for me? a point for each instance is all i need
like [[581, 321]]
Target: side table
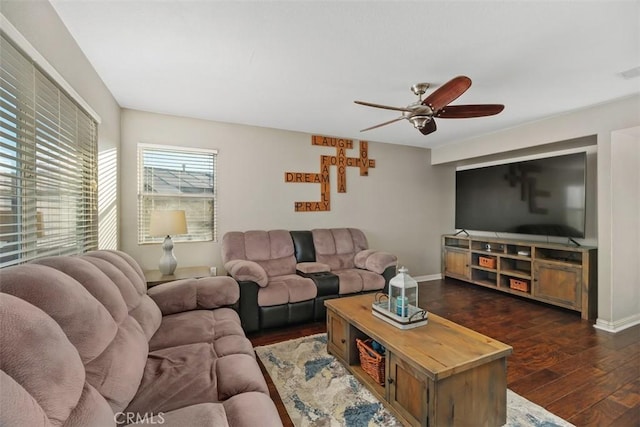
[[154, 277]]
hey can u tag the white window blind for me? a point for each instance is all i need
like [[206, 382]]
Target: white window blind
[[176, 178], [48, 170]]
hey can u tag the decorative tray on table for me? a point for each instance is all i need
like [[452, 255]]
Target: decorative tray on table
[[416, 316]]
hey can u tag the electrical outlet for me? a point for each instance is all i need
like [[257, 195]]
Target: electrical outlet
[[213, 271]]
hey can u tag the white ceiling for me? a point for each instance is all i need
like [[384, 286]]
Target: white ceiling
[[300, 65]]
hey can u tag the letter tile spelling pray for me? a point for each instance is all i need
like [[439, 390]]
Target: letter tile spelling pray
[[341, 161]]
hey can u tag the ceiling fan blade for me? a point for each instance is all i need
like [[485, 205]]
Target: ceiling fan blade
[[429, 127], [466, 111], [383, 124], [447, 93], [386, 107]]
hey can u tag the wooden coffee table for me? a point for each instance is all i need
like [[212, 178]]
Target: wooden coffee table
[[440, 374]]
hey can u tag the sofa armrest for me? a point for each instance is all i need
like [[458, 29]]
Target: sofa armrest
[[312, 267], [195, 294], [247, 271], [373, 260]]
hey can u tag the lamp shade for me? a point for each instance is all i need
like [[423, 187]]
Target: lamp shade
[[167, 223]]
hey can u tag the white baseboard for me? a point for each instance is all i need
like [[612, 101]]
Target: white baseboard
[[428, 277], [618, 325]]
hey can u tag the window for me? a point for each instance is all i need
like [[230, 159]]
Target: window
[[48, 171], [176, 178]]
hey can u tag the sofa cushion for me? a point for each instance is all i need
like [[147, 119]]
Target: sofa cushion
[[123, 270], [180, 376], [276, 293], [116, 373], [354, 280], [113, 352], [265, 245], [260, 404], [194, 294], [203, 414], [203, 326], [371, 281], [337, 246], [175, 377], [42, 376], [93, 279], [344, 249], [285, 289], [232, 413], [86, 322], [18, 406], [376, 261], [243, 270], [239, 373], [273, 250], [92, 410]]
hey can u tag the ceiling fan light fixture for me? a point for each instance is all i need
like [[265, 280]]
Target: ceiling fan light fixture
[[422, 113], [419, 121]]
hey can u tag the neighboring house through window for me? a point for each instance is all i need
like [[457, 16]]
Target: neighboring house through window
[[177, 178]]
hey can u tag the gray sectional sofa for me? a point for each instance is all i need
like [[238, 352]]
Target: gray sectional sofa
[[285, 276], [83, 343]]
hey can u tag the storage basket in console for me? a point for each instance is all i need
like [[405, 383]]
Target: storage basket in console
[[487, 262], [371, 361]]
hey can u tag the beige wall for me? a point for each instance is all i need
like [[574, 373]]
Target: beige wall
[[39, 24], [618, 281], [403, 205]]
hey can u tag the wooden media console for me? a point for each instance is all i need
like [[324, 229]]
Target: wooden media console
[[562, 275]]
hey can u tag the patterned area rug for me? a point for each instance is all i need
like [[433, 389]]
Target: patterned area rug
[[318, 391]]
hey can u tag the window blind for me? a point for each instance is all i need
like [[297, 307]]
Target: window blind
[[48, 165], [176, 178]]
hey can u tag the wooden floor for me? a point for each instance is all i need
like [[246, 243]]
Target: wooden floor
[[560, 362]]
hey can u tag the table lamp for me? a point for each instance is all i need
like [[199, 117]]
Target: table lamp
[[166, 223]]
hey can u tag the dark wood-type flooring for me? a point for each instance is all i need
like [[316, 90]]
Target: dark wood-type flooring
[[559, 361]]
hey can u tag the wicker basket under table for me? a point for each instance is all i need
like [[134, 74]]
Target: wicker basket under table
[[372, 362]]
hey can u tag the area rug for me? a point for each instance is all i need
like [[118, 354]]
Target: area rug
[[317, 390]]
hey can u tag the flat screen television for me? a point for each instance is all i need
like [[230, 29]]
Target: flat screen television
[[542, 197]]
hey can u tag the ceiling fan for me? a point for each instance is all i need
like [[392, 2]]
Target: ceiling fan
[[422, 112]]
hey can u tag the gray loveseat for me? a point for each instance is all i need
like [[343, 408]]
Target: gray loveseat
[[285, 276], [84, 344]]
